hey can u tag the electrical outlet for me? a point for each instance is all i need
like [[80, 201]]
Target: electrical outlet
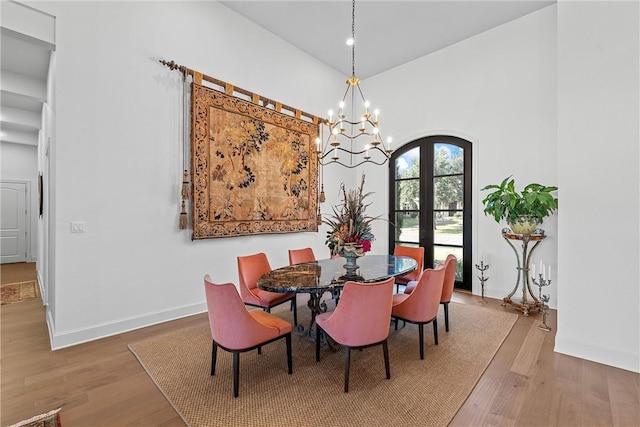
[[77, 227]]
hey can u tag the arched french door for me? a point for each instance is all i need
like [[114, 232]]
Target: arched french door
[[430, 201]]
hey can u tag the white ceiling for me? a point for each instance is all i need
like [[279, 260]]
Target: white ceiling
[[27, 39], [388, 33]]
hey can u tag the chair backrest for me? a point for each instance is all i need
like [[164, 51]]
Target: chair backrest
[[450, 266], [363, 315], [231, 324], [422, 304], [416, 253], [250, 268], [299, 256]]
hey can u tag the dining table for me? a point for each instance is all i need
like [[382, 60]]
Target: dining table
[[329, 276]]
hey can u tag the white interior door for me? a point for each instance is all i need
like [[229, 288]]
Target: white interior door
[[13, 222]]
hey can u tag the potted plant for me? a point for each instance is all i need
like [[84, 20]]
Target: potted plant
[[350, 227], [524, 210]]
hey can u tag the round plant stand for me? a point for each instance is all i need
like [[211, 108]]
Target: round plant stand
[[528, 301]]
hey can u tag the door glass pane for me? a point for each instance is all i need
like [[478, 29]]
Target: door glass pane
[[448, 192], [447, 228], [440, 254], [408, 164], [408, 194], [407, 226], [448, 159]]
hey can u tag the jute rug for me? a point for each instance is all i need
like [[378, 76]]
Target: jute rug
[[20, 291], [420, 392]]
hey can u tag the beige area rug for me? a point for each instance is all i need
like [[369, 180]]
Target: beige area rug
[[20, 291], [425, 392]]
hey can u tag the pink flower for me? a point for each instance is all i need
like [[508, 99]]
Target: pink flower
[[366, 245]]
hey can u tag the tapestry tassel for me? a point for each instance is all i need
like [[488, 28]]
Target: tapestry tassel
[[322, 196], [186, 186], [184, 221]]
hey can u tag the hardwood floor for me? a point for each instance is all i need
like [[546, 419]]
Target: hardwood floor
[[102, 384], [17, 272]]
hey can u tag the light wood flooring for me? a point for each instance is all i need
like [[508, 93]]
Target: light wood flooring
[[102, 384], [17, 272]]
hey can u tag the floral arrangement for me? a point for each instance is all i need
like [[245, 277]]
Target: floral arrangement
[[350, 226]]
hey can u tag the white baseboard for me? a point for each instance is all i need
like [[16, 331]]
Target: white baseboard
[[43, 294], [64, 339], [597, 353]]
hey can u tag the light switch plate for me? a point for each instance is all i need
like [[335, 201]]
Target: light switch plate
[[77, 227]]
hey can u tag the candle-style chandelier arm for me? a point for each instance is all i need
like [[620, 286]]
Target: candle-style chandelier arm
[[324, 159]]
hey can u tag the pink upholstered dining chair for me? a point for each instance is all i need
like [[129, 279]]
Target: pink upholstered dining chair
[[421, 306], [236, 329], [299, 256], [450, 266], [416, 253], [250, 268], [360, 320]]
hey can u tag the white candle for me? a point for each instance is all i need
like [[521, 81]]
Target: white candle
[[317, 144], [541, 267], [542, 272], [533, 270], [549, 277]]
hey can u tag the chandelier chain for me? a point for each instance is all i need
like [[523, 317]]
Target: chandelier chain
[[353, 37]]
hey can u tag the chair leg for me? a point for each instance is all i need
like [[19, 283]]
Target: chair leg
[[289, 358], [396, 323], [236, 372], [318, 332], [214, 357], [347, 361], [259, 349], [295, 311], [435, 330], [385, 351], [446, 316], [421, 339]]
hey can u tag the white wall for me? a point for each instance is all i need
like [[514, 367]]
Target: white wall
[[497, 90], [20, 163], [598, 164], [116, 156]]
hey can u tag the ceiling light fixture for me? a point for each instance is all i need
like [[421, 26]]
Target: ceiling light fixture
[[342, 145]]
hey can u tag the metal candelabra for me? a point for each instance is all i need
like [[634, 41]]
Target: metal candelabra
[[482, 267], [544, 299]]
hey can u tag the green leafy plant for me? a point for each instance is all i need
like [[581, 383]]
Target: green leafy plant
[[504, 202]]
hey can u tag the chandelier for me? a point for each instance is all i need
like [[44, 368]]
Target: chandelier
[[353, 139]]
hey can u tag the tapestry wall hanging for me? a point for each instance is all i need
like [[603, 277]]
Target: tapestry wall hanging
[[253, 168]]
